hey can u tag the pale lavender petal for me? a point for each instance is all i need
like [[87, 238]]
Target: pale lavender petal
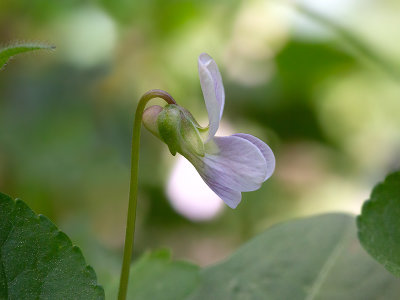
[[239, 166], [265, 150], [231, 197], [213, 91]]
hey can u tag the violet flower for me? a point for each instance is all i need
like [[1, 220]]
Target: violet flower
[[229, 165]]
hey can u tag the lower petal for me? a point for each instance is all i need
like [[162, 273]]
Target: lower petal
[[231, 197], [237, 166]]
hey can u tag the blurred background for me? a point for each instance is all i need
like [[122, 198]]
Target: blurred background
[[319, 81]]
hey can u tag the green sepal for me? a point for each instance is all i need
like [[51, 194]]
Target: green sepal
[[203, 131], [169, 121], [178, 131], [191, 137]]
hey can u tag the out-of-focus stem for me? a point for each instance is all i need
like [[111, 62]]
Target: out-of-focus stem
[[130, 225], [353, 41]]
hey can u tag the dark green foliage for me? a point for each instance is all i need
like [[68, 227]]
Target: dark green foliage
[[37, 260], [379, 223]]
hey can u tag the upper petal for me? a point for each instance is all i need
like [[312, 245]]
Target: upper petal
[[213, 91], [265, 150], [238, 166]]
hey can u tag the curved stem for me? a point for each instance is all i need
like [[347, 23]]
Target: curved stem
[[130, 224]]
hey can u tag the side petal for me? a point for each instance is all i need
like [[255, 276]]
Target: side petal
[[213, 91], [238, 166], [265, 150]]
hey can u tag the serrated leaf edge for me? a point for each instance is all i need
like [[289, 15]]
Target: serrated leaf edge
[[75, 248]]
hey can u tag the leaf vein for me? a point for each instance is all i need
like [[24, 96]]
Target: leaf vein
[[328, 265]]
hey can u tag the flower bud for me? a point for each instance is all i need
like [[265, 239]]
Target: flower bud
[[149, 119]]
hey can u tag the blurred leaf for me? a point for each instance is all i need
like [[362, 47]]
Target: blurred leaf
[[302, 67], [353, 40], [164, 16], [156, 276], [313, 258], [379, 223], [39, 12], [8, 52], [38, 261]]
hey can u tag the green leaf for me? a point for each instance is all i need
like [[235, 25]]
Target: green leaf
[[379, 223], [313, 258], [8, 52], [38, 261], [155, 276]]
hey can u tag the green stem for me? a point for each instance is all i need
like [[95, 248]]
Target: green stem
[[130, 224]]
